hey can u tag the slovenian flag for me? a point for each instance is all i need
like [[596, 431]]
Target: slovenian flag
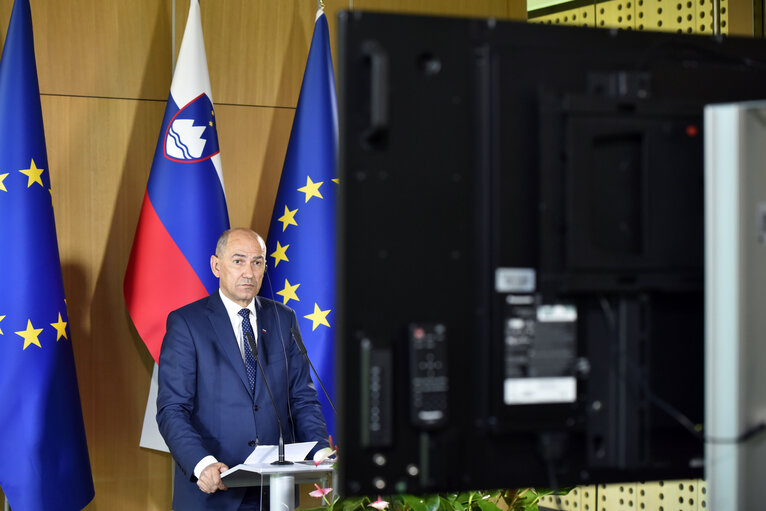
[[44, 460], [184, 209], [301, 241]]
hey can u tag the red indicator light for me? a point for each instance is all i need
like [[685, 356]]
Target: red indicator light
[[692, 130]]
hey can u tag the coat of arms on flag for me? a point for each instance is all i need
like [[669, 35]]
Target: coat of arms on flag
[[191, 134]]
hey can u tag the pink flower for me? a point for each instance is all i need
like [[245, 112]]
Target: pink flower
[[320, 492], [379, 504]]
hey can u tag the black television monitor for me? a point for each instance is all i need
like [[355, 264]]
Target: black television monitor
[[521, 251]]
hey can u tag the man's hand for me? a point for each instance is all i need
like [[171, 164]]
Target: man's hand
[[210, 479]]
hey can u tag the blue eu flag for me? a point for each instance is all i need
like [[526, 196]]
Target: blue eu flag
[[301, 240], [44, 462]]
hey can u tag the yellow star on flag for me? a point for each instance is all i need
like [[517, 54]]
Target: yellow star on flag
[[311, 189], [280, 254], [288, 218], [318, 317], [33, 173], [336, 181], [30, 335], [60, 327], [288, 293], [1, 331], [2, 178]]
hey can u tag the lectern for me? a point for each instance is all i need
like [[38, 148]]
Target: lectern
[[281, 478]]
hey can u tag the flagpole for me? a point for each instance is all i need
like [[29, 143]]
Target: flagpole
[[172, 71], [173, 38]]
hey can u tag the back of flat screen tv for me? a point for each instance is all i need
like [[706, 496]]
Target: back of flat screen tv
[[521, 251]]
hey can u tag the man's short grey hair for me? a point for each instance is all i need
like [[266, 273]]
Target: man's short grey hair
[[223, 240]]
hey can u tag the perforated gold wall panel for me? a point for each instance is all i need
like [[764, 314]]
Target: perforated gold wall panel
[[616, 14], [582, 498], [675, 495], [682, 16], [688, 495], [582, 17]]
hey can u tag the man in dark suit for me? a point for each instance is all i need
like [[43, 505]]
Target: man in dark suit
[[212, 405]]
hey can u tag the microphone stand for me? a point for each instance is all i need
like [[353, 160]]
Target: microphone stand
[[281, 449], [302, 347]]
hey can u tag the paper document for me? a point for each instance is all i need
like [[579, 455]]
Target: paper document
[[268, 453]]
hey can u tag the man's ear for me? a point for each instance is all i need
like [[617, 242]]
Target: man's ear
[[214, 262]]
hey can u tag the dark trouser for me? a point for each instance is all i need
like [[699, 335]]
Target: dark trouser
[[253, 498]]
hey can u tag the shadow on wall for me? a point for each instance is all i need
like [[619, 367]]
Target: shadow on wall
[[117, 367], [275, 152]]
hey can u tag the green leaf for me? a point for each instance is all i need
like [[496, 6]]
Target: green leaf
[[432, 503], [493, 494], [452, 502], [487, 505], [446, 505], [351, 504], [464, 497], [414, 503], [529, 498]]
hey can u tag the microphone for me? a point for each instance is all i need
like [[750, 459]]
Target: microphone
[[302, 347], [281, 449]]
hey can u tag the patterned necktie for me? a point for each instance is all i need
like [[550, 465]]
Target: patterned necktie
[[247, 330]]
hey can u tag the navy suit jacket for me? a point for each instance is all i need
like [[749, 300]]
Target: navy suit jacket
[[205, 406]]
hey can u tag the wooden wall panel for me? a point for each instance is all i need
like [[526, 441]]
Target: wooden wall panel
[[97, 48], [100, 151], [103, 48], [253, 143], [257, 50], [5, 16]]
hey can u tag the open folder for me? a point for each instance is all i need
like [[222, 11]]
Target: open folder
[[269, 453], [259, 461]]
